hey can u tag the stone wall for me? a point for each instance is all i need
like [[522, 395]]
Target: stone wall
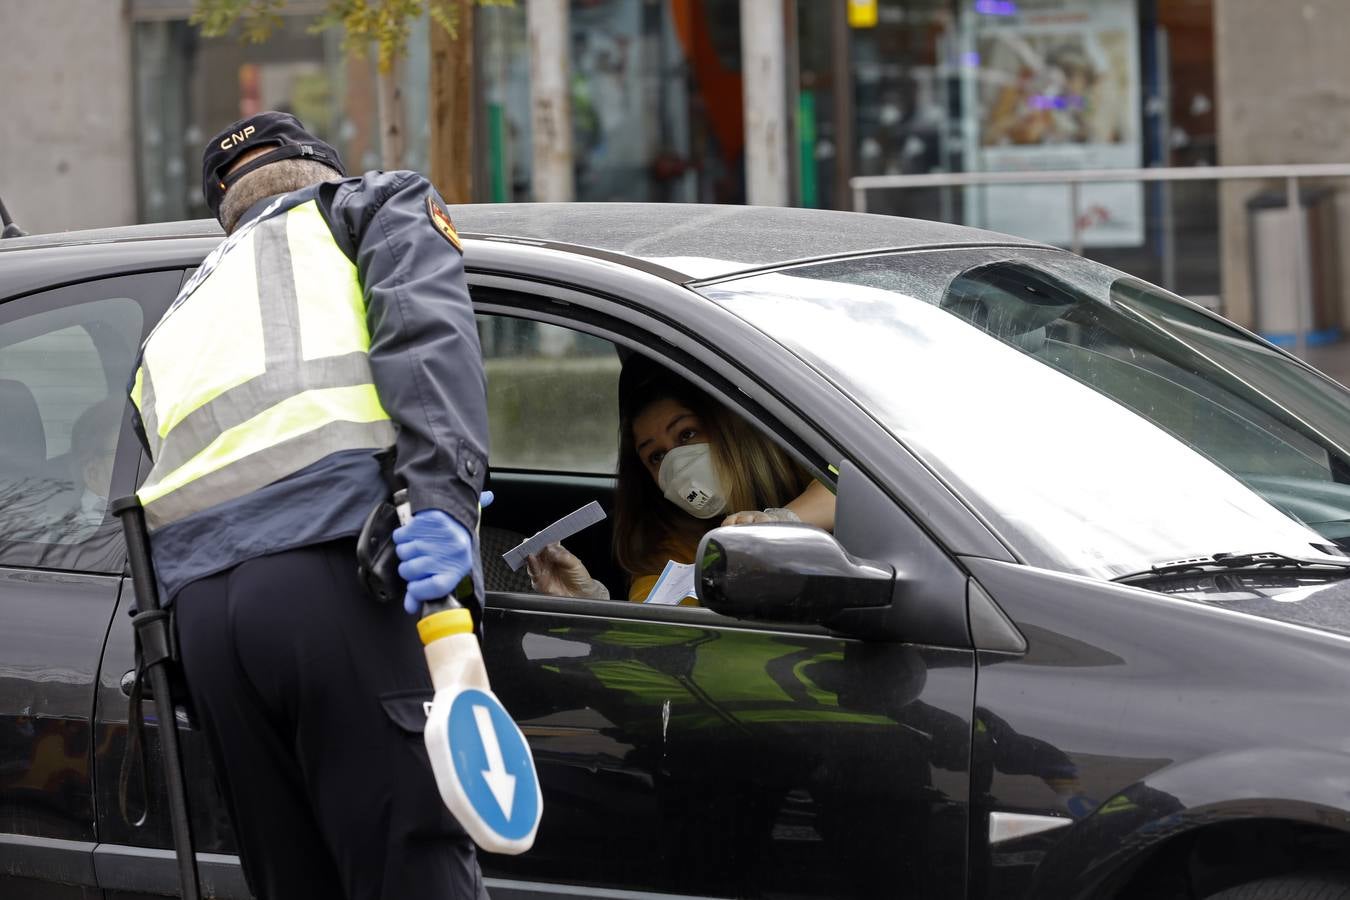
[[67, 146], [1283, 79]]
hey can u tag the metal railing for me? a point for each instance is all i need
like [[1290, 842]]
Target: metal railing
[[1074, 179]]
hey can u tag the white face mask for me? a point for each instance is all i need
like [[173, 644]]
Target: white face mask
[[689, 479]]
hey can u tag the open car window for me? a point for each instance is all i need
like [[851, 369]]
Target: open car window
[[554, 423]]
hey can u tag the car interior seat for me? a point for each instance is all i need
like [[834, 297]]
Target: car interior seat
[[31, 495], [1010, 301], [23, 440], [497, 575]]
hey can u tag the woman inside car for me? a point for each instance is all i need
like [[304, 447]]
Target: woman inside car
[[686, 465]]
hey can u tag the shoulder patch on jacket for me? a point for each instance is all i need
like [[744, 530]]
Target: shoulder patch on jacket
[[441, 220]]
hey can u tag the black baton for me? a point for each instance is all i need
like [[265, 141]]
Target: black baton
[[152, 631]]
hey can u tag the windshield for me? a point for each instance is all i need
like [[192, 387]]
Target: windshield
[[1099, 424]]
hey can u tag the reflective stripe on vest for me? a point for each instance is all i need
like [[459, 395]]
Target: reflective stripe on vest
[[257, 373]]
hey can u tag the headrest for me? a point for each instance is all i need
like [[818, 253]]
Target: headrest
[[1011, 301], [23, 442]]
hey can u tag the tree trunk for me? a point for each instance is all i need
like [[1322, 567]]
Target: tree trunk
[[842, 78], [550, 99], [764, 68], [452, 107], [389, 107]]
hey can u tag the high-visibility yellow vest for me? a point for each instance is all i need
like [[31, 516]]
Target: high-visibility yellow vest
[[260, 368]]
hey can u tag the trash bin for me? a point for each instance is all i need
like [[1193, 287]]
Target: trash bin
[[1275, 280]]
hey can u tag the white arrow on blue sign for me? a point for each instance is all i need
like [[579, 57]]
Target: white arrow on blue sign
[[493, 765]]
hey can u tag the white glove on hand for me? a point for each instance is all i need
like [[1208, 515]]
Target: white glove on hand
[[761, 516], [556, 571]]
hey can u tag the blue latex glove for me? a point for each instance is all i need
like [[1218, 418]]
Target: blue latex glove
[[436, 553]]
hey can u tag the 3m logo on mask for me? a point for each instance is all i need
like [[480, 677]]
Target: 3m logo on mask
[[689, 479]]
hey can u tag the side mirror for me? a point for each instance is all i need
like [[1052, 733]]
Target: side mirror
[[786, 573]]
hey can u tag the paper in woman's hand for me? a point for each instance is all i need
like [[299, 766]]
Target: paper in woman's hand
[[559, 531]]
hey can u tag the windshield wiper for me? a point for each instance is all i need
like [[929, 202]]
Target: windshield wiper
[[1232, 562]]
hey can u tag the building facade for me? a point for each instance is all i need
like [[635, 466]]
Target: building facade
[[656, 91], [657, 110]]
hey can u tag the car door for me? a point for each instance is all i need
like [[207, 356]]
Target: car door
[[65, 355], [682, 751], [135, 853]]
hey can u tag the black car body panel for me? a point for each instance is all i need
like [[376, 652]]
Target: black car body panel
[[1155, 713], [787, 776], [49, 267], [46, 700], [685, 752]]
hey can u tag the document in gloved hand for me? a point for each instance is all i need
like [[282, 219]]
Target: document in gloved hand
[[676, 583], [560, 530]]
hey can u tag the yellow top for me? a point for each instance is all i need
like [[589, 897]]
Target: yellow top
[[642, 584], [443, 624]]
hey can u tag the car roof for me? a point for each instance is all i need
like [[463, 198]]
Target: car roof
[[681, 241], [701, 241]]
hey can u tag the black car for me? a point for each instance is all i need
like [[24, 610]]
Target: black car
[[1082, 628]]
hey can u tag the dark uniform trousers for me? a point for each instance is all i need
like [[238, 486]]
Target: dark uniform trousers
[[300, 681]]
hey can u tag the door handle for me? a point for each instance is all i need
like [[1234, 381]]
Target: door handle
[[185, 720], [129, 679]]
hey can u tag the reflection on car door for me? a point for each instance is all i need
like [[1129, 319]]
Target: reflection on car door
[[720, 760], [63, 355]]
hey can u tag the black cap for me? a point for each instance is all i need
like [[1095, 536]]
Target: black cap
[[270, 129]]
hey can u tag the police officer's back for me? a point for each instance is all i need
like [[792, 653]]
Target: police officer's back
[[331, 325]]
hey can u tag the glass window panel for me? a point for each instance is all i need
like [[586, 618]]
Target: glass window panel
[[63, 373], [1094, 420], [553, 397]]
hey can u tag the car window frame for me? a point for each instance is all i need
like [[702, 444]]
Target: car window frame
[[674, 311], [151, 290], [717, 374], [501, 304]]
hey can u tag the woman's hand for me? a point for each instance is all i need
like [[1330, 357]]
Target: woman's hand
[[760, 517], [555, 571], [815, 506]]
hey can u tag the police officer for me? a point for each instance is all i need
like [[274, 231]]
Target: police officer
[[333, 323]]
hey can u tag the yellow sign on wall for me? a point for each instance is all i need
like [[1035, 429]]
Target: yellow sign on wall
[[862, 13]]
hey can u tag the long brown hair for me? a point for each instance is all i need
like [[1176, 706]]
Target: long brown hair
[[757, 473]]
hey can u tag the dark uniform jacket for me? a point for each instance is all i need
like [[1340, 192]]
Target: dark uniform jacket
[[427, 367]]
